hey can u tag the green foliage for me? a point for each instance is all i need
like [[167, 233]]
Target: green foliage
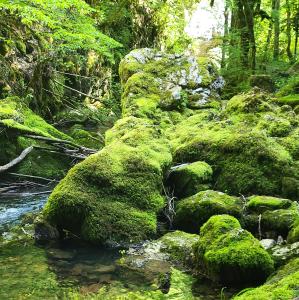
[[67, 25]]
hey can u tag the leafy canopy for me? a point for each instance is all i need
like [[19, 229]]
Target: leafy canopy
[[68, 25]]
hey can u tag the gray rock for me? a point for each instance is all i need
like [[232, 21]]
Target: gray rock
[[268, 243]]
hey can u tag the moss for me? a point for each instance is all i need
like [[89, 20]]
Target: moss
[[250, 102], [227, 151], [193, 212], [187, 180], [84, 137], [18, 119], [293, 235], [227, 253], [259, 204], [291, 100], [292, 87], [127, 174], [271, 216], [281, 286], [15, 114], [275, 126], [178, 245], [281, 220]]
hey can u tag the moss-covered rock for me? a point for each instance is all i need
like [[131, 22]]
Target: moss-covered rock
[[270, 216], [259, 204], [193, 212], [283, 285], [262, 81], [17, 119], [178, 245], [227, 253], [116, 194], [188, 179], [252, 126], [293, 235]]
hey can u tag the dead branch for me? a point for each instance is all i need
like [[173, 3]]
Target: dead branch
[[74, 90], [17, 160]]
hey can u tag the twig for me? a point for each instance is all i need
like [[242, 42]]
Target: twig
[[16, 160], [75, 75], [74, 90]]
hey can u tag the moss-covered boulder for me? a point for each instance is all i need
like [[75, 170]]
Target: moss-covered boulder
[[260, 204], [116, 194], [283, 285], [188, 179], [227, 253], [270, 216], [251, 126], [262, 81], [193, 212]]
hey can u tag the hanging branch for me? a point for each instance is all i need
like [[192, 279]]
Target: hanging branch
[[16, 160]]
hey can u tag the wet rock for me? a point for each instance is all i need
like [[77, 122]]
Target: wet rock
[[61, 254], [283, 253], [44, 231], [268, 243]]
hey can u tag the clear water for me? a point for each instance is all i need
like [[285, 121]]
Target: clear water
[[74, 270]]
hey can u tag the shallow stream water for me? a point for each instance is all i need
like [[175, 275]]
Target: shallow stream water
[[71, 269]]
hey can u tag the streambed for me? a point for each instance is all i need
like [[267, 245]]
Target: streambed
[[71, 269]]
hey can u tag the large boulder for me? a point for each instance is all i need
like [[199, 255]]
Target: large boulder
[[193, 212], [229, 254]]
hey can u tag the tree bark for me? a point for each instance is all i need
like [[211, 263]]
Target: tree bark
[[289, 36], [276, 18]]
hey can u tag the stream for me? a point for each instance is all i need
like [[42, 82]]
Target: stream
[[70, 269]]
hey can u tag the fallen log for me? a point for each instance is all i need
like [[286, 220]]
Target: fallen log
[[17, 160]]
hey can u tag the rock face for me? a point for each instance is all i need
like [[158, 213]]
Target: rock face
[[194, 211], [115, 194], [227, 253]]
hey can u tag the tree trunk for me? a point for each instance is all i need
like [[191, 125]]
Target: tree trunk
[[225, 36], [289, 36], [249, 17], [276, 19]]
